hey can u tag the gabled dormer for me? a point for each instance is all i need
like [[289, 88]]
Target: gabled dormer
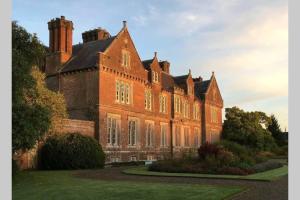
[[154, 69], [186, 83], [208, 90], [190, 85]]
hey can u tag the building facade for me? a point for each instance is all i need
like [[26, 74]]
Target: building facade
[[140, 111]]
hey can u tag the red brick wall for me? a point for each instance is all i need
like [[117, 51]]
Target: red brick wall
[[84, 127]]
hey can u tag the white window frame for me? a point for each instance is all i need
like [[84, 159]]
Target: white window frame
[[163, 134], [197, 137], [125, 59], [132, 132], [123, 92], [196, 111], [113, 131], [148, 100], [149, 133], [162, 103], [186, 134], [177, 104], [177, 136]]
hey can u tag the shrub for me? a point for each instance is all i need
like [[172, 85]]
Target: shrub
[[213, 156], [208, 149], [71, 151], [244, 153], [281, 151], [268, 165]]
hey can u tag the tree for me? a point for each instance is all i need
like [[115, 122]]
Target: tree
[[54, 101], [276, 131], [30, 120], [248, 128]]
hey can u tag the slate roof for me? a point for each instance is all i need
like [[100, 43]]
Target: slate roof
[[167, 81], [201, 88], [85, 55], [147, 63], [180, 79]]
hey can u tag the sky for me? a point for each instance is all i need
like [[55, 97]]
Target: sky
[[244, 42]]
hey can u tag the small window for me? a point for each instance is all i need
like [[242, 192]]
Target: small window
[[114, 159], [197, 137], [125, 59], [177, 104], [113, 131], [132, 158], [163, 135], [154, 76], [123, 92], [177, 136], [162, 103], [186, 137], [149, 134], [132, 132], [148, 100], [150, 157]]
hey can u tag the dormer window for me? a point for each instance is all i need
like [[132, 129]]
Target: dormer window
[[154, 76], [125, 59]]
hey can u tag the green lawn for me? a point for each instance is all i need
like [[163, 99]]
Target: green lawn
[[263, 176], [62, 185]]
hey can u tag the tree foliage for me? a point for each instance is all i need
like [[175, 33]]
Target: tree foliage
[[35, 109], [276, 131], [54, 101], [248, 128]]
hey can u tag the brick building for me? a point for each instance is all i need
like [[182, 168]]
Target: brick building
[[140, 111]]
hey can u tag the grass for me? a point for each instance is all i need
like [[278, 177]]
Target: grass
[[62, 185], [262, 176]]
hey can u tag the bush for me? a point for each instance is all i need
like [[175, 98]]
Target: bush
[[281, 151], [71, 151], [208, 149], [213, 156], [268, 165], [244, 153]]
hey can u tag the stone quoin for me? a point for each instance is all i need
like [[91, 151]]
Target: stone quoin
[[140, 111]]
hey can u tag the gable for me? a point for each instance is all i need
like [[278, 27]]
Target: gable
[[113, 54], [213, 93]]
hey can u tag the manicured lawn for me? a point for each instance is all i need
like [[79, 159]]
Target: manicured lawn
[[263, 176], [62, 185]]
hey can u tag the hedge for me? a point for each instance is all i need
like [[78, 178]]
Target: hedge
[[71, 151]]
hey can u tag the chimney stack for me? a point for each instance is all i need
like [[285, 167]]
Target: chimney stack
[[165, 66], [60, 43], [96, 34]]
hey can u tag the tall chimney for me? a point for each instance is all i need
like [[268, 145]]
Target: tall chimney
[[165, 66], [60, 43]]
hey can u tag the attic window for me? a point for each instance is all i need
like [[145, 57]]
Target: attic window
[[154, 76], [125, 59]]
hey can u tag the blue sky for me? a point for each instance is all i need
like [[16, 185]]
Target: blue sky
[[244, 42]]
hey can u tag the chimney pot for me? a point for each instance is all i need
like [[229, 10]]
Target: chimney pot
[[124, 24]]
